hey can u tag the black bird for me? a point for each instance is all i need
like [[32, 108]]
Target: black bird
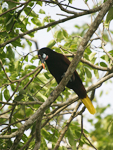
[[58, 65]]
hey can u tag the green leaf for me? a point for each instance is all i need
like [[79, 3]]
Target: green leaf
[[26, 58], [6, 94], [111, 53], [11, 5], [41, 97], [103, 64], [39, 3], [29, 42], [3, 34], [51, 43], [65, 33], [30, 12], [0, 96], [59, 36], [91, 56], [110, 128], [9, 21], [70, 1], [46, 134], [101, 93], [88, 73], [10, 53], [41, 11], [36, 21], [109, 15], [71, 138], [30, 67]]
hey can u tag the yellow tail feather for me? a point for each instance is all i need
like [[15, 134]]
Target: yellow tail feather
[[87, 102]]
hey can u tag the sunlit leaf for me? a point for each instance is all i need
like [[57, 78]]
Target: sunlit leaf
[[92, 55], [41, 11], [51, 43]]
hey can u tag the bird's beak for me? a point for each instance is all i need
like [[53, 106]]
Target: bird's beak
[[43, 65], [42, 61]]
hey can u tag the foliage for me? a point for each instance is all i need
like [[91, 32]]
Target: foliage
[[24, 87]]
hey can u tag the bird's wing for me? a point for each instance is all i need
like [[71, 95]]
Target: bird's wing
[[66, 61]]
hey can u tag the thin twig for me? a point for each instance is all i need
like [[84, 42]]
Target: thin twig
[[89, 141], [5, 71], [106, 51]]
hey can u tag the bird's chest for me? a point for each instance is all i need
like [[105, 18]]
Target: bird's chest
[[57, 69]]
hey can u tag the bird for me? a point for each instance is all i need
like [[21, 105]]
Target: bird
[[58, 64]]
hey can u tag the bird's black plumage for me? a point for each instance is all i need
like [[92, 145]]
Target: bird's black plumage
[[58, 65]]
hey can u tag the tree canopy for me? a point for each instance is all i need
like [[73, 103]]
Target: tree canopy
[[30, 116]]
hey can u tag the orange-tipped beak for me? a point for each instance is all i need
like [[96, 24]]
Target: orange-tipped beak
[[43, 65]]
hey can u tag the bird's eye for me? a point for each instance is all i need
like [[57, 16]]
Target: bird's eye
[[44, 56]]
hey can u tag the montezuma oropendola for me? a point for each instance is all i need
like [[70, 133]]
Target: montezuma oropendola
[[58, 64]]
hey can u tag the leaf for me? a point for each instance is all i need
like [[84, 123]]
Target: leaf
[[29, 42], [11, 5], [91, 56], [6, 94], [41, 11], [30, 67], [51, 43], [9, 21], [71, 138], [46, 134], [101, 93], [10, 53], [62, 148], [0, 96], [26, 58], [36, 21], [109, 15], [88, 73], [103, 64], [59, 36], [41, 97], [111, 52], [70, 1], [65, 33], [31, 13], [3, 34], [110, 128], [39, 3]]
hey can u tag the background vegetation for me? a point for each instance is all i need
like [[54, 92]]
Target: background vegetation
[[32, 118]]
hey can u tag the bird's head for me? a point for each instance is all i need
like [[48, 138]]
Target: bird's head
[[44, 54]]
